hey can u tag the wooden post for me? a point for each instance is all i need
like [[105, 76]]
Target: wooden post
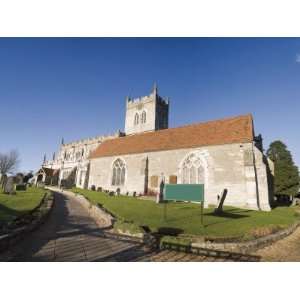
[[202, 206]]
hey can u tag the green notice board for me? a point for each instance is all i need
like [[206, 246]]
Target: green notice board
[[184, 192]]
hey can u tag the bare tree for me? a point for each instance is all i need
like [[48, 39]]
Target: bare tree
[[9, 162]]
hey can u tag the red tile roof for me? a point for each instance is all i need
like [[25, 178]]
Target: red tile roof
[[225, 131], [49, 172]]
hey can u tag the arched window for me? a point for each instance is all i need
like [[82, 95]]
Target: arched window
[[192, 170], [118, 172], [136, 119], [143, 118]]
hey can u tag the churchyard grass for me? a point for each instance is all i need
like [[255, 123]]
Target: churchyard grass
[[12, 206], [184, 218]]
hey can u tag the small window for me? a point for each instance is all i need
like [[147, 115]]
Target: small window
[[136, 119], [143, 119]]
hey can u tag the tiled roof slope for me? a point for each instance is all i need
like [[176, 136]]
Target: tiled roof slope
[[50, 172], [225, 131]]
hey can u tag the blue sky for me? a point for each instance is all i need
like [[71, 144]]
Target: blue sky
[[75, 88]]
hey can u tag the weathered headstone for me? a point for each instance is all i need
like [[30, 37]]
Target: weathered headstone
[[219, 209], [9, 187], [160, 194], [19, 179]]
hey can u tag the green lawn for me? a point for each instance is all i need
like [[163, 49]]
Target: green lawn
[[12, 206], [185, 217]]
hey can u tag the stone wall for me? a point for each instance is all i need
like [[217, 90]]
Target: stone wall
[[239, 168], [73, 157]]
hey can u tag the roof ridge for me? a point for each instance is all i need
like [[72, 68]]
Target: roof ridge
[[214, 132], [213, 121], [187, 125]]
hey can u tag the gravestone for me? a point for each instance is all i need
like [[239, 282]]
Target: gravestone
[[9, 187], [219, 209], [19, 179]]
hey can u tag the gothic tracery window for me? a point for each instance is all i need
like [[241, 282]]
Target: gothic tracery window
[[143, 118], [192, 170], [136, 119], [118, 172]]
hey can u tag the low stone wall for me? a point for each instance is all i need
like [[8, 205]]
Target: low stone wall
[[105, 220], [250, 246], [14, 235], [102, 217]]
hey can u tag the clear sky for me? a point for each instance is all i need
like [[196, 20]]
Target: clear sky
[[75, 88]]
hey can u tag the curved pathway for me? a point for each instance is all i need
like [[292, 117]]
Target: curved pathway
[[70, 234]]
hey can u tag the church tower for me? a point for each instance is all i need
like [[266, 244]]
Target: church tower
[[147, 113]]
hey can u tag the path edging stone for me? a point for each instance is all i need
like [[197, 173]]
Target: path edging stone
[[9, 239], [105, 220]]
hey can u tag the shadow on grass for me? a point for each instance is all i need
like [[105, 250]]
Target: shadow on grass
[[237, 210], [226, 214], [8, 214], [169, 231]]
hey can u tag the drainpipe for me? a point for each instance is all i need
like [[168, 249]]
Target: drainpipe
[[256, 181]]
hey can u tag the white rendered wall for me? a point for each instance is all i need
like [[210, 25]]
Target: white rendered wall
[[226, 166]]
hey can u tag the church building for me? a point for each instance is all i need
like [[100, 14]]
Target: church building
[[222, 154]]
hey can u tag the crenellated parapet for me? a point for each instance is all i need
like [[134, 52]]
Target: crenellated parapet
[[132, 102], [77, 151], [147, 113], [92, 140]]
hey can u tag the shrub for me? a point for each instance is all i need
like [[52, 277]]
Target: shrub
[[126, 226]]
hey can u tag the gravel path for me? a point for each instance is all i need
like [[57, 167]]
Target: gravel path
[[287, 249]]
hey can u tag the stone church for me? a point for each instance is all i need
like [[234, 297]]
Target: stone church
[[221, 154]]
